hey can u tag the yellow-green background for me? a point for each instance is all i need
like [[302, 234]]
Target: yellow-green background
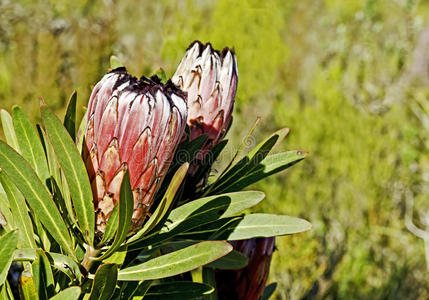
[[349, 77]]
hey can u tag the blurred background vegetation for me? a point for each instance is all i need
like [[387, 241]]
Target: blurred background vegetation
[[349, 77]]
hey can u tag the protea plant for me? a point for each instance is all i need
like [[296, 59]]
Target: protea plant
[[134, 124], [100, 218], [249, 282], [209, 78]]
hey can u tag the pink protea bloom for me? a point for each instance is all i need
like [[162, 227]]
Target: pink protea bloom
[[210, 79], [247, 283], [134, 124]]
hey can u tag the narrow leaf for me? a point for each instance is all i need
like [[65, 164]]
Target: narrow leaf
[[7, 220], [225, 205], [74, 172], [111, 227], [104, 282], [126, 206], [60, 262], [9, 131], [27, 288], [180, 290], [81, 132], [39, 278], [8, 244], [36, 194], [201, 211], [177, 262], [269, 291], [71, 293], [20, 212], [165, 203], [29, 143], [70, 117], [270, 165], [265, 225], [232, 261]]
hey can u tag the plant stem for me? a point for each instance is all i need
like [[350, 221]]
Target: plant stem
[[88, 259]]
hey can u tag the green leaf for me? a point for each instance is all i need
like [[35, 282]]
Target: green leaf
[[70, 117], [246, 164], [6, 292], [161, 75], [265, 225], [6, 216], [71, 293], [201, 211], [74, 171], [136, 291], [9, 131], [60, 262], [36, 194], [29, 143], [232, 261], [269, 291], [39, 279], [126, 207], [80, 136], [270, 165], [177, 262], [210, 279], [111, 227], [27, 288], [179, 290], [42, 275], [104, 283], [8, 244], [165, 203], [20, 212], [280, 134], [115, 63]]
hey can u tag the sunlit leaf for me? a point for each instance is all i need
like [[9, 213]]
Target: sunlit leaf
[[126, 206], [177, 262], [29, 143], [165, 203], [36, 194], [74, 171], [270, 165], [9, 131], [265, 225], [59, 261], [71, 293], [202, 211], [20, 212], [8, 244]]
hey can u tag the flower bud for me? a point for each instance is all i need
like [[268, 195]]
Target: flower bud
[[136, 125], [247, 283], [210, 80]]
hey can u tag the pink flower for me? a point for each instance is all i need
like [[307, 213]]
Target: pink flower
[[134, 124]]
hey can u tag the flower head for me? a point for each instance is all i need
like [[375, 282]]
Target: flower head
[[136, 125], [210, 79]]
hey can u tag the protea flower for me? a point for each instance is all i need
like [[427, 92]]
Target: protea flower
[[210, 80], [247, 283], [134, 124]]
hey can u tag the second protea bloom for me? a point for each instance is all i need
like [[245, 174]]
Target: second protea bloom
[[134, 124], [247, 283], [209, 78]]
